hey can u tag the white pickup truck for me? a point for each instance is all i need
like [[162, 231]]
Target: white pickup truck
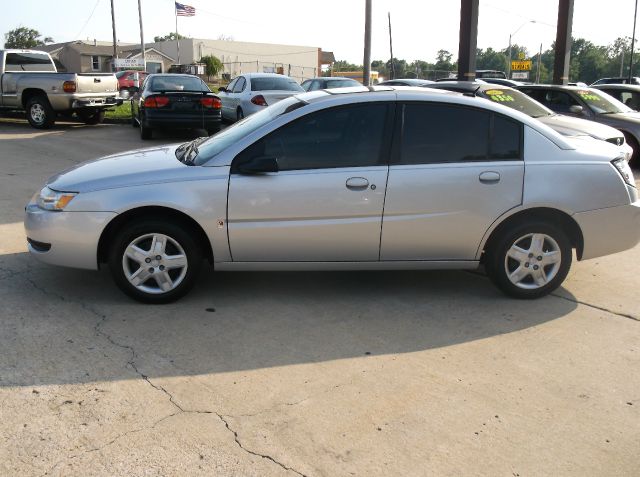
[[29, 81]]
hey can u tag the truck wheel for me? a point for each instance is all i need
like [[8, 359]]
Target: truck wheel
[[93, 117], [40, 114], [155, 261], [529, 260]]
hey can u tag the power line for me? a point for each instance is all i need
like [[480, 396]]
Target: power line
[[88, 20]]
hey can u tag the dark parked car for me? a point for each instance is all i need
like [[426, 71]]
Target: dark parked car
[[490, 74], [619, 80], [629, 94], [328, 83], [593, 104], [177, 102], [503, 82], [405, 82]]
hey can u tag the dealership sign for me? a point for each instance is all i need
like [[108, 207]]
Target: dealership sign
[[522, 65], [128, 63]]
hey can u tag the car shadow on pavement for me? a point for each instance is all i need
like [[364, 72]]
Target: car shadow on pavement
[[68, 326]]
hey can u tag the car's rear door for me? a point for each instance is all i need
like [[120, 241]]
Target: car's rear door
[[454, 171], [325, 203]]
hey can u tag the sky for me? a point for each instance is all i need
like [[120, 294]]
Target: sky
[[420, 27]]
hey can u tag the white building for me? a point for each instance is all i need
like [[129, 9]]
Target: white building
[[299, 62]]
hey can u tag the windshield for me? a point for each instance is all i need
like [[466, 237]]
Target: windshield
[[602, 103], [229, 136], [516, 100], [177, 83], [274, 83]]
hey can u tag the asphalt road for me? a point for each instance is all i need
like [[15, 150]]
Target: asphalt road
[[316, 374]]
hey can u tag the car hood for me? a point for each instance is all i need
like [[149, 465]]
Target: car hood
[[568, 126], [138, 167], [621, 120]]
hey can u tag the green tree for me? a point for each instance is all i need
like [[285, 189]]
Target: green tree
[[170, 37], [443, 61], [213, 65], [23, 37], [491, 59], [342, 65]]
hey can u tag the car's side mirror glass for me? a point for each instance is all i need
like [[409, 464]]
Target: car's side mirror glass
[[575, 109], [258, 165]]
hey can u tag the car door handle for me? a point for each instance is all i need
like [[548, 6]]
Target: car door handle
[[357, 183], [489, 177]]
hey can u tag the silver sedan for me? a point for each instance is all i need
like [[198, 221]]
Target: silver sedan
[[252, 92], [385, 178]]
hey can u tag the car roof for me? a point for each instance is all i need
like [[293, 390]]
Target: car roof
[[262, 75], [563, 87], [470, 86], [624, 87]]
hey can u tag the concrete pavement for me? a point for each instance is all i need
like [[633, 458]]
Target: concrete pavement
[[316, 374]]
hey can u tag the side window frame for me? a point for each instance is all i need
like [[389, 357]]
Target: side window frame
[[232, 84], [398, 133], [241, 81], [385, 145]]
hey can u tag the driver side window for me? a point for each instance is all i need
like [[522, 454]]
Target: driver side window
[[344, 136], [239, 87]]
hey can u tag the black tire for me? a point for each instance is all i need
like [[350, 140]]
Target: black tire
[[633, 142], [134, 121], [145, 132], [91, 117], [498, 265], [141, 228], [40, 114], [239, 114]]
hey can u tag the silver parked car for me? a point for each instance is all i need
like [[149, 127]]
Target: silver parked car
[[378, 178], [252, 92], [329, 82]]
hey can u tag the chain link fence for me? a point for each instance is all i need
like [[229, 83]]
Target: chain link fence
[[297, 72]]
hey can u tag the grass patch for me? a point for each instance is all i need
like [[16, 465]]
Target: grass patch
[[119, 112]]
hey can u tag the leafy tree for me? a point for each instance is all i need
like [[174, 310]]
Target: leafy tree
[[491, 59], [213, 65], [342, 65], [443, 61], [399, 68], [170, 37], [23, 37]]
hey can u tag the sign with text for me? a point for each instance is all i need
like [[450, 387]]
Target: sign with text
[[524, 65], [521, 75], [128, 63]]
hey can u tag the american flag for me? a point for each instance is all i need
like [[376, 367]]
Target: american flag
[[185, 10]]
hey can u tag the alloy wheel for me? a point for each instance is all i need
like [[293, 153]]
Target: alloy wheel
[[38, 114], [532, 261]]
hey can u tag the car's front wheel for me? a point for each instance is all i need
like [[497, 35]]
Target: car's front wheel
[[154, 261], [529, 260]]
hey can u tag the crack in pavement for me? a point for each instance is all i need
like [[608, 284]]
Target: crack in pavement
[[596, 307], [131, 362]]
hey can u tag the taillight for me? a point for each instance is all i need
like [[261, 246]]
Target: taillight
[[259, 100], [69, 86], [213, 103], [156, 101]]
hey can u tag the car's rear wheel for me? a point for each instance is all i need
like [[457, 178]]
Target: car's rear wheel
[[145, 132], [154, 261], [213, 130], [40, 114], [529, 260]]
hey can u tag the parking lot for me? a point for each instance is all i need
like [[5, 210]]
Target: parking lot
[[315, 374]]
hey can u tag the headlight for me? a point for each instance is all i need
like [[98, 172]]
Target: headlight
[[623, 168], [51, 200]]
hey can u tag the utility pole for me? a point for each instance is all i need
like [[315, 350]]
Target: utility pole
[[393, 68], [113, 27], [539, 61], [144, 60], [633, 41], [366, 75]]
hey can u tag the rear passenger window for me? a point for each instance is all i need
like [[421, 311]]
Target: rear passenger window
[[442, 133]]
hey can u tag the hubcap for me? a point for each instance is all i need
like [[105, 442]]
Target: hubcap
[[154, 263], [37, 113], [533, 261]]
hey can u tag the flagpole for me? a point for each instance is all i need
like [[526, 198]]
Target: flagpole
[[175, 9]]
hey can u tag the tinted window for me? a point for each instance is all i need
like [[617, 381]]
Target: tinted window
[[272, 83], [516, 100], [437, 133], [506, 139], [28, 62], [177, 83], [239, 87], [348, 136], [231, 85], [305, 85], [444, 133]]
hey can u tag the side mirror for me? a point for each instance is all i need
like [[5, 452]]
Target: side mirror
[[259, 165], [222, 89], [575, 109]]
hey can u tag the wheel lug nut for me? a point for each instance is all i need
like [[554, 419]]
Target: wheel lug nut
[[530, 255], [539, 258], [161, 267], [526, 265], [147, 260], [151, 270], [535, 267], [158, 257]]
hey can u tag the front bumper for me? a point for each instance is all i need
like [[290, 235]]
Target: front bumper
[[69, 239], [610, 230]]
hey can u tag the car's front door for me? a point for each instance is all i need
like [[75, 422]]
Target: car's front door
[[325, 202], [454, 171], [228, 110]]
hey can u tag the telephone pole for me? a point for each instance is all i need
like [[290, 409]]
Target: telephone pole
[[144, 60], [393, 68], [113, 27], [366, 75]]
